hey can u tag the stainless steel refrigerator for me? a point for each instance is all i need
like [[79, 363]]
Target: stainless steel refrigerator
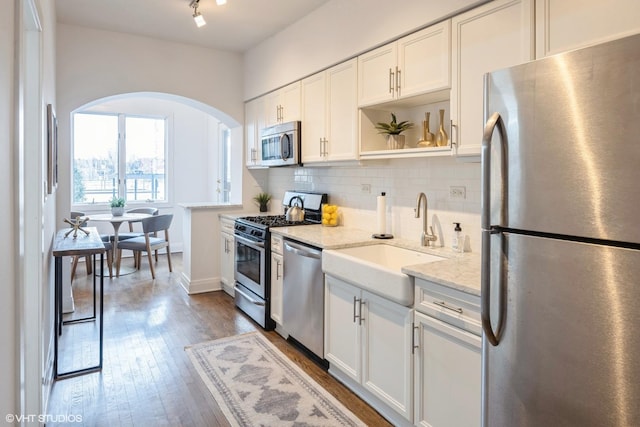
[[561, 240]]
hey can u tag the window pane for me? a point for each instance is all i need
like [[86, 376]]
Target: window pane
[[145, 158], [95, 158]]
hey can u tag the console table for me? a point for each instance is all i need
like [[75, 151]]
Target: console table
[[83, 245]]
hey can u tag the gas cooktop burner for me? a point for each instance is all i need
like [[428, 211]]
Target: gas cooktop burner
[[273, 221]]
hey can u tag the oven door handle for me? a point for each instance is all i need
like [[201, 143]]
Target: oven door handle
[[249, 242], [247, 297]]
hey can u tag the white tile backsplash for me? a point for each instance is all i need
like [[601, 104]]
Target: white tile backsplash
[[402, 180]]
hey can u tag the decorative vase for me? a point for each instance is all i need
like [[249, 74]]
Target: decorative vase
[[117, 211], [395, 142], [428, 139], [263, 207], [442, 139]]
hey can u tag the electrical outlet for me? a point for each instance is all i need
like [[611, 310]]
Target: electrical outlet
[[457, 192], [365, 188]]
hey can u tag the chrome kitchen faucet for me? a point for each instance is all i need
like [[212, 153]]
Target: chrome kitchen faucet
[[425, 238]]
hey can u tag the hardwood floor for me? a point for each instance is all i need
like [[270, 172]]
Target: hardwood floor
[[147, 378]]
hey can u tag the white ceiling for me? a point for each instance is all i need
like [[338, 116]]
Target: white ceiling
[[236, 26]]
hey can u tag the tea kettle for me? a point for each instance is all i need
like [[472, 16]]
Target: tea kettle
[[295, 213]]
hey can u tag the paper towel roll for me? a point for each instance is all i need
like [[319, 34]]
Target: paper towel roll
[[382, 213]]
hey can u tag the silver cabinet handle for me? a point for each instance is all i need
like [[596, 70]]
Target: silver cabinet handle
[[398, 71], [451, 127], [413, 338], [390, 81], [355, 316], [278, 276], [495, 121], [447, 306], [360, 319]]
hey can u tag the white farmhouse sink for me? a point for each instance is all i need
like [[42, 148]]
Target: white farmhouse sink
[[376, 268]]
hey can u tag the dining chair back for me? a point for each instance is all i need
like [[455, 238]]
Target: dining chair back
[[149, 241]]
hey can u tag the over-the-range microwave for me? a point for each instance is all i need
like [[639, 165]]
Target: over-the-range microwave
[[280, 145]]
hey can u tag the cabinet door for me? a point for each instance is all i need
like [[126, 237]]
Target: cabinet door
[[253, 119], [276, 287], [313, 118], [342, 115], [227, 255], [341, 329], [563, 25], [376, 75], [448, 370], [487, 38], [272, 108], [387, 360], [290, 102], [424, 61]]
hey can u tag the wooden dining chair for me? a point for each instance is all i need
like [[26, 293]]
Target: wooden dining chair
[[149, 241]]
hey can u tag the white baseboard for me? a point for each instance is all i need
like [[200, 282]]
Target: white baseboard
[[201, 285]]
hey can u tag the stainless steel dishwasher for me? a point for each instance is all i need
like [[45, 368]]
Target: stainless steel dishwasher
[[303, 296]]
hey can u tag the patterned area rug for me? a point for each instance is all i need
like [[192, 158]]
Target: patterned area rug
[[256, 385]]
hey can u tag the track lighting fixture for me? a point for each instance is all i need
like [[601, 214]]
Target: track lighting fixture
[[197, 17]]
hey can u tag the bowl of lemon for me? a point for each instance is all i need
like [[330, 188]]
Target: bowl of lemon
[[329, 215]]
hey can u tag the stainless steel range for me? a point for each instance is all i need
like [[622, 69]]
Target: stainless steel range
[[253, 253]]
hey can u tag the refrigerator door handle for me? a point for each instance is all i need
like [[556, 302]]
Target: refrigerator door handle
[[494, 122]]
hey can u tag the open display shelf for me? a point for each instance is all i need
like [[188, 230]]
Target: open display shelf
[[373, 145]]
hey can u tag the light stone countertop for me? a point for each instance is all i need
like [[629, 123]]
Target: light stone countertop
[[458, 271], [209, 205]]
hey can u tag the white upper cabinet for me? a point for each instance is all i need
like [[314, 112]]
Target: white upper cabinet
[[413, 65], [254, 120], [496, 35], [563, 25], [329, 115], [283, 105]]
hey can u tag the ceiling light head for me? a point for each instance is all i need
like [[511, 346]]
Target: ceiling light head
[[197, 17], [221, 2]]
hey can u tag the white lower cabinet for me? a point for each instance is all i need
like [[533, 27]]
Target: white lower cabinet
[[277, 271], [227, 256], [448, 372], [368, 343], [448, 357]]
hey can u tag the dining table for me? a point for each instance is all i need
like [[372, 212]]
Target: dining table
[[116, 221]]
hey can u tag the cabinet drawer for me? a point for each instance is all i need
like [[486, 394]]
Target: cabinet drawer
[[276, 244], [449, 305], [226, 226]]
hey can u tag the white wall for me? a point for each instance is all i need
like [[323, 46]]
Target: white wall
[[94, 64], [8, 360], [336, 31], [402, 180]]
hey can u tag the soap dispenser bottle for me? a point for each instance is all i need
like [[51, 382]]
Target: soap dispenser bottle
[[457, 243]]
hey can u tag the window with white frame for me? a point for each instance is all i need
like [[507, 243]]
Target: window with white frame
[[224, 180], [119, 155]]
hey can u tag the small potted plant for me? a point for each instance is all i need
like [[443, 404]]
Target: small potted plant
[[263, 200], [393, 131], [117, 206]]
